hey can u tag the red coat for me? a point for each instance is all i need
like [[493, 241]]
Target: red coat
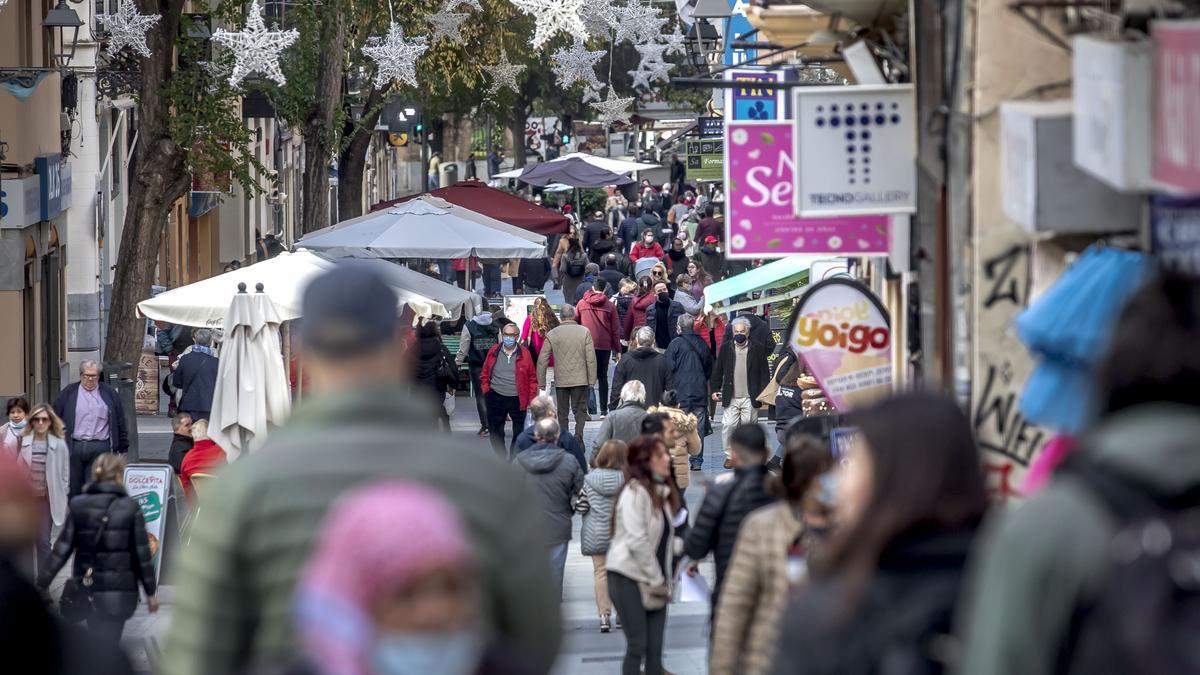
[[718, 326], [597, 314], [640, 250], [204, 456], [526, 371], [637, 313]]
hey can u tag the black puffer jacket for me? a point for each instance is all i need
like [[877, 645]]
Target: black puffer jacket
[[725, 507], [431, 353], [556, 478], [120, 557], [648, 366]]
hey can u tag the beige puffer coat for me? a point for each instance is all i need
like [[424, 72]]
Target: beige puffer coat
[[687, 443]]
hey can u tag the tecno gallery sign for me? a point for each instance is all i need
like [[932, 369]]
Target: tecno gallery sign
[[856, 149], [842, 333]]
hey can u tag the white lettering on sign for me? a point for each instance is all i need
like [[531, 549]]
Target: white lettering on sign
[[766, 188]]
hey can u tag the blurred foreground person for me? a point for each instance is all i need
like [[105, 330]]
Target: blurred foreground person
[[556, 477], [1084, 577], [260, 517], [639, 557], [392, 588], [542, 408], [599, 492], [107, 533], [910, 496], [769, 559], [32, 640]]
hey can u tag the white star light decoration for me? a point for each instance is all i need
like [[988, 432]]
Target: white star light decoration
[[447, 24], [552, 16], [395, 57], [255, 48], [504, 74], [612, 109], [577, 64], [651, 68], [638, 23], [454, 4], [600, 18], [675, 42], [126, 28]]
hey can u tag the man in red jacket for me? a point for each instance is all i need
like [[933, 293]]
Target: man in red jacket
[[599, 315], [509, 382]]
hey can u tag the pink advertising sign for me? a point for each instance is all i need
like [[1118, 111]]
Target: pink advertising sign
[[1177, 104], [760, 221]]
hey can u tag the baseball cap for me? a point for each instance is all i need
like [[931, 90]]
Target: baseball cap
[[348, 309], [710, 239]]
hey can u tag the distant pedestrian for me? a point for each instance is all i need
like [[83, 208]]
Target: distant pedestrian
[[600, 490], [710, 227], [691, 364], [479, 335], [611, 274], [602, 246], [739, 376], [16, 412], [593, 232], [639, 559], [625, 422], [663, 316], [542, 408], [683, 295], [687, 442], [509, 381], [574, 368], [643, 300], [105, 530], [700, 278], [196, 376], [94, 419], [435, 167], [532, 275], [560, 249], [44, 453], [646, 247], [645, 364], [631, 227], [572, 267], [677, 257], [557, 478], [760, 330], [494, 160], [599, 315], [623, 301], [727, 505], [181, 441], [436, 373], [202, 460], [711, 258], [591, 273], [769, 562]]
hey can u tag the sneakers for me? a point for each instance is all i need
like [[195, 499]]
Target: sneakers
[[483, 432], [605, 624], [696, 466]]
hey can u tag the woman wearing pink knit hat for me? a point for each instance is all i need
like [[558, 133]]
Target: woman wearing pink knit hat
[[391, 589]]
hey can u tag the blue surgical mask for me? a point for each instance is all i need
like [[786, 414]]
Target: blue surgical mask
[[510, 341], [457, 653], [17, 426]]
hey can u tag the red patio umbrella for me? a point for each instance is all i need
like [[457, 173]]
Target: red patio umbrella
[[480, 198]]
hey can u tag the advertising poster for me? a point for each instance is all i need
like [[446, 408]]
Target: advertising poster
[[855, 149], [150, 486], [1177, 104], [844, 336], [753, 100], [760, 219], [705, 159], [517, 307]]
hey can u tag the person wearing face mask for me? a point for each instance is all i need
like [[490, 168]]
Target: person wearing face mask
[[16, 411], [739, 376], [647, 247], [663, 316], [508, 380], [391, 589], [677, 257]]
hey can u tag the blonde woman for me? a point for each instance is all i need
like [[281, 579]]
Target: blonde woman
[[44, 452]]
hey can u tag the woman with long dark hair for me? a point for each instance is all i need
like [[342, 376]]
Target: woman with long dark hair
[[648, 509], [642, 299], [910, 497], [571, 267], [435, 368]]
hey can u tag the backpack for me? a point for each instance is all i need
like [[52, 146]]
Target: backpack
[[576, 264], [1157, 552], [483, 338]]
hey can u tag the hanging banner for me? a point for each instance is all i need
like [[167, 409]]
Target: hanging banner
[[843, 334], [150, 486], [1177, 104], [752, 99], [856, 150], [760, 221]]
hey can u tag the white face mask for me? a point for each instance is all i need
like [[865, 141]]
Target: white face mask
[[457, 653]]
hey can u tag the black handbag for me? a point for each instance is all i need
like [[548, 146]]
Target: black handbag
[[75, 603]]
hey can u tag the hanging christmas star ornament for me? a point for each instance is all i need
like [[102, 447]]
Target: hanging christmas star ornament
[[454, 4], [639, 23], [447, 24], [674, 42], [600, 18], [612, 109], [552, 16], [576, 64], [649, 72], [126, 28], [504, 74], [591, 94], [255, 49], [395, 56]]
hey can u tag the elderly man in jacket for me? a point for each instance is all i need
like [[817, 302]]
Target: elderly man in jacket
[[94, 422], [574, 355], [643, 363], [663, 316], [509, 381], [599, 315], [625, 423], [740, 375], [358, 425], [542, 408], [557, 477], [691, 364], [196, 376]]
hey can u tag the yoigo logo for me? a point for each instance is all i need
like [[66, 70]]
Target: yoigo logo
[[855, 338], [858, 124]]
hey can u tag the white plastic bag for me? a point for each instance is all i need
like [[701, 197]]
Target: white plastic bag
[[449, 404]]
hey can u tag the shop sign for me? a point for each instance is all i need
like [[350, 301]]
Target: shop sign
[[705, 159], [1175, 232], [711, 127], [843, 335], [150, 486], [856, 150], [19, 206], [54, 176], [760, 221], [751, 99], [1177, 104]]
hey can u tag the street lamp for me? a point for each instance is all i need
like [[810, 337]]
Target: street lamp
[[59, 20], [704, 43]]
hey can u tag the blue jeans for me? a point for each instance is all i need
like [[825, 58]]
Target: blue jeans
[[701, 413], [558, 563]]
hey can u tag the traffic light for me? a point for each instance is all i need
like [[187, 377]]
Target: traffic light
[[566, 138], [418, 133]]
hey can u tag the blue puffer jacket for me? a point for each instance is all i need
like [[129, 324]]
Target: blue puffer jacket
[[691, 365]]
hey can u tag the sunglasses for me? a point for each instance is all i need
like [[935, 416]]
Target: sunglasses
[[41, 419]]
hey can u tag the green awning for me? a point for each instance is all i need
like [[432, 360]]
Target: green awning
[[772, 275]]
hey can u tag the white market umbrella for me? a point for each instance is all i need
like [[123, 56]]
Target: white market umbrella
[[284, 278], [423, 228], [606, 163], [252, 393]]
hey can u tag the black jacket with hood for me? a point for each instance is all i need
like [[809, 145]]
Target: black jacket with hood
[[556, 478], [646, 365], [725, 507]]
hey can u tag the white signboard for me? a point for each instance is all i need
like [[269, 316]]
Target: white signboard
[[856, 150], [150, 486], [517, 307], [19, 205]]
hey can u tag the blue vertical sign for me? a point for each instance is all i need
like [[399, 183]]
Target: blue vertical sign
[[738, 26]]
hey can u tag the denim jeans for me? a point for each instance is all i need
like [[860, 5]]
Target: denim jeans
[[701, 413], [558, 564]]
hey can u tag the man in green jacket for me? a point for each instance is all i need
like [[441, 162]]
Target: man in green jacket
[[257, 523]]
